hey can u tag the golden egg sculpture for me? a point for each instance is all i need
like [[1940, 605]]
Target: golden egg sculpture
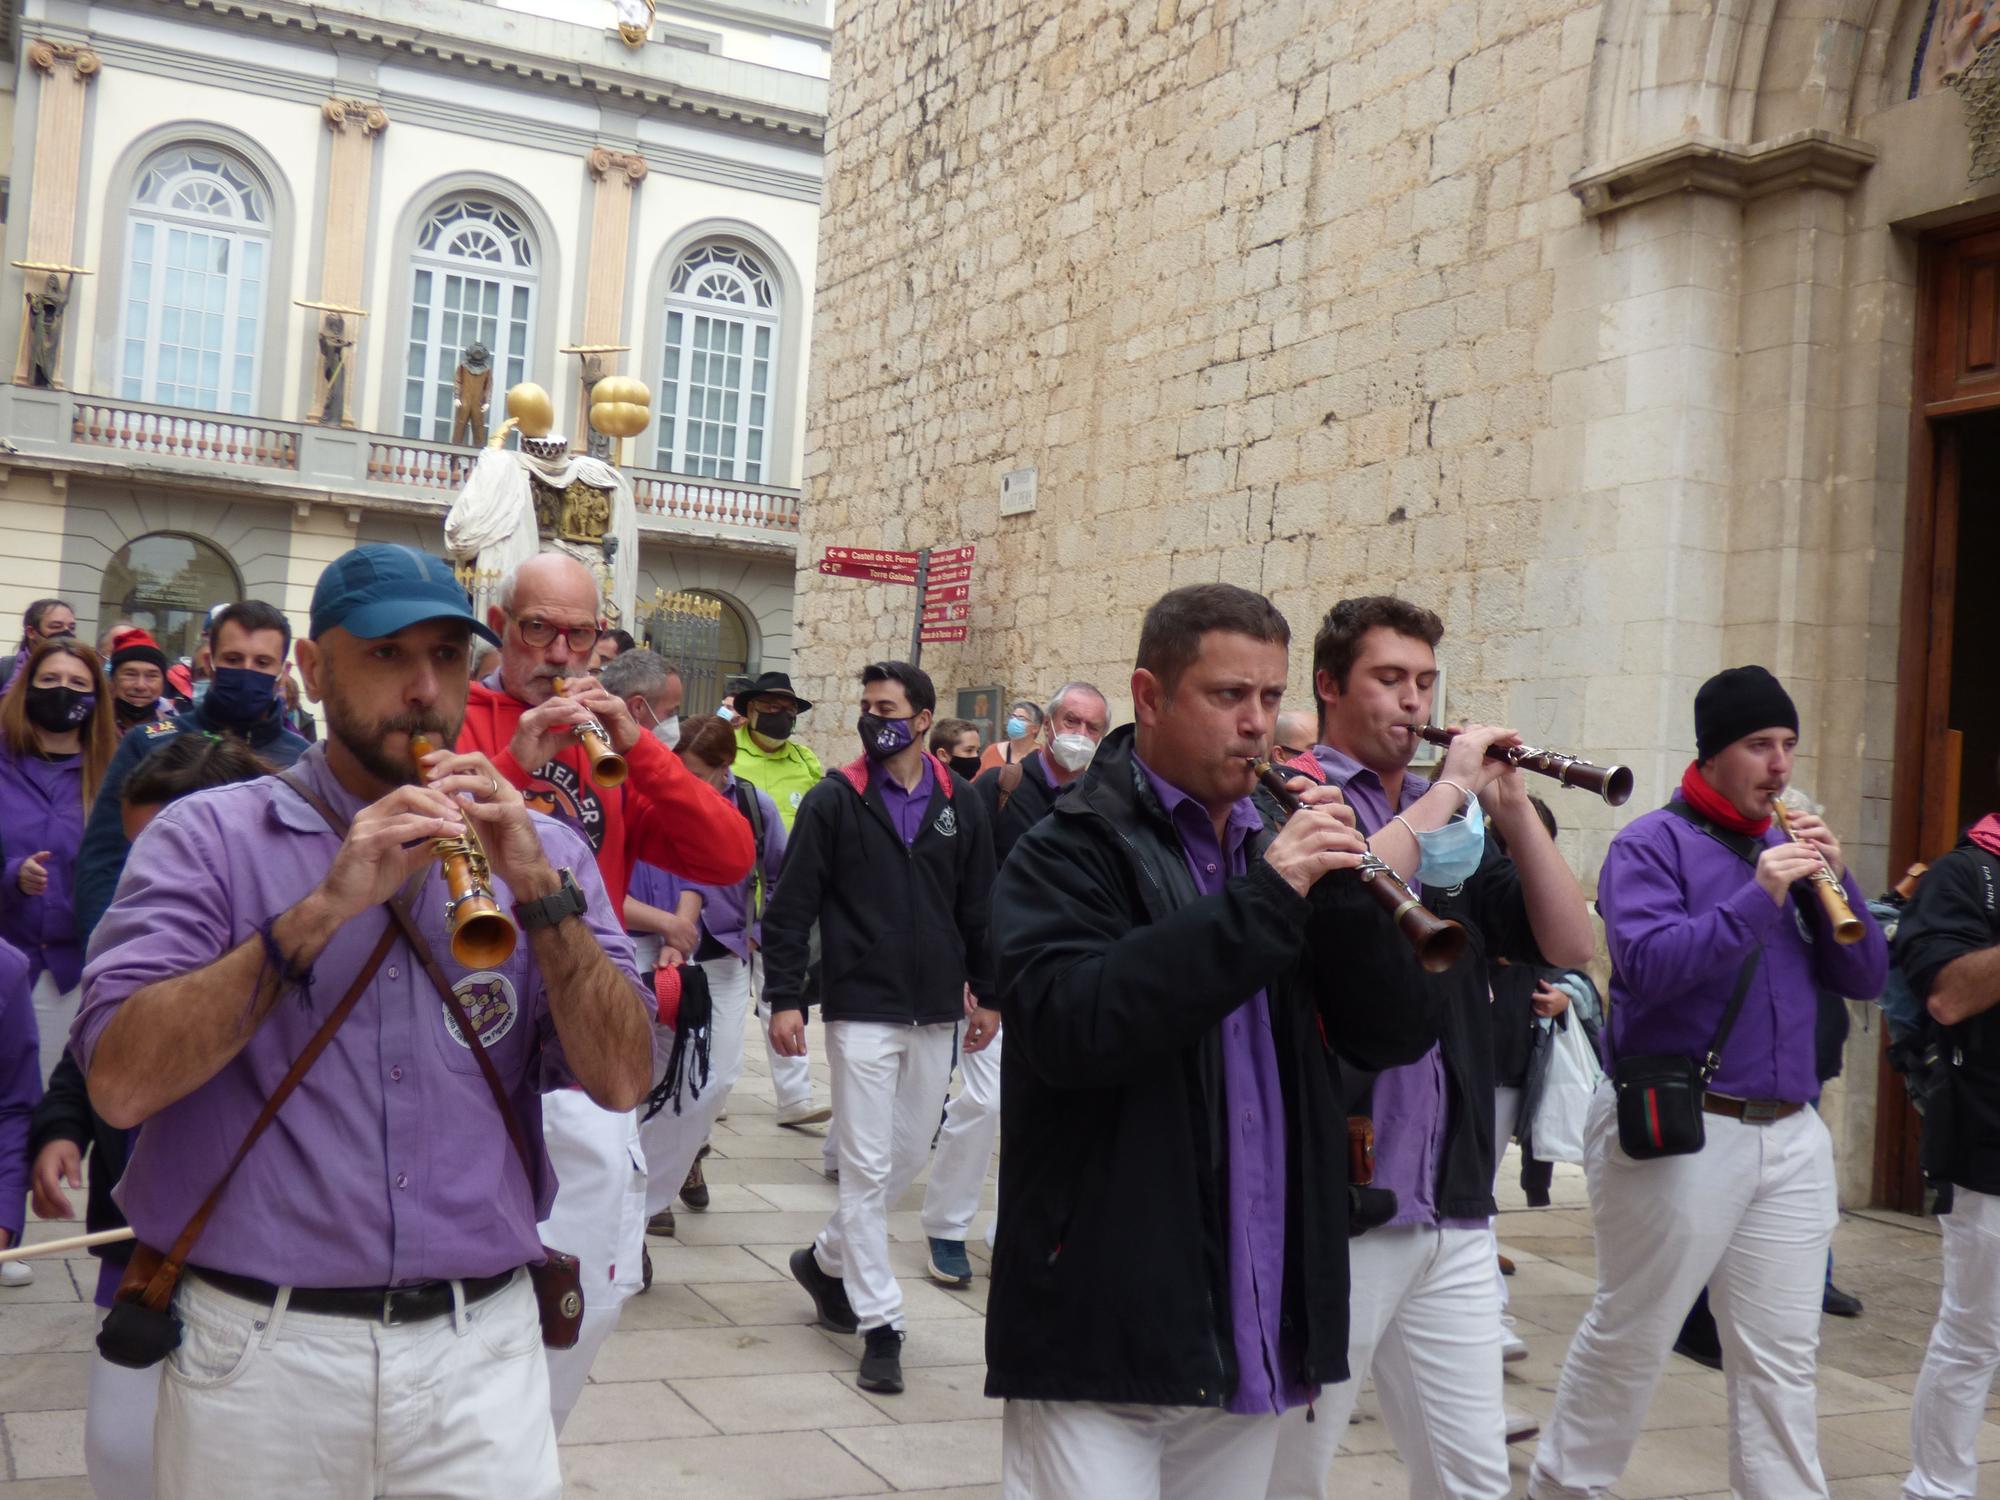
[[620, 406], [529, 405]]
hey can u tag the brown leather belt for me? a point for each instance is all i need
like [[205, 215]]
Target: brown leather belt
[[389, 1305], [1750, 1111]]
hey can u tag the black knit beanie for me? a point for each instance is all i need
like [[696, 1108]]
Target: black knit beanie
[[1737, 702]]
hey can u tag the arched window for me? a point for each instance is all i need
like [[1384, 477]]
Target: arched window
[[715, 381], [194, 281], [473, 282], [707, 647], [167, 583]]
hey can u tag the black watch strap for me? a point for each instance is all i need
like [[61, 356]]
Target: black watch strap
[[566, 900]]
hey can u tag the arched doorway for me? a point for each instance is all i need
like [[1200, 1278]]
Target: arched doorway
[[167, 583]]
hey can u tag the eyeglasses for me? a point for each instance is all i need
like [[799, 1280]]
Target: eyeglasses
[[538, 632]]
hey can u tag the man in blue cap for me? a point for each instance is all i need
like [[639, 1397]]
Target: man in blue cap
[[356, 1310]]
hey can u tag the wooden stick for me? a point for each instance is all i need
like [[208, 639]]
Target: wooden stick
[[74, 1242]]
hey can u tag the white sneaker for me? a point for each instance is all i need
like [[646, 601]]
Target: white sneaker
[[1511, 1349], [16, 1273], [805, 1112]]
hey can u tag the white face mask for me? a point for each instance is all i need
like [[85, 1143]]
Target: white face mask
[[1072, 751], [668, 731]]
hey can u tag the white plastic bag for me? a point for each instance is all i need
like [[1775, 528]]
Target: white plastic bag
[[1573, 1076]]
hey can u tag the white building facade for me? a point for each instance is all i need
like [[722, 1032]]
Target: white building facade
[[285, 225]]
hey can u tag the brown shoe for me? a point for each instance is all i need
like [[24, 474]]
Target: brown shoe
[[694, 1192], [1506, 1266], [662, 1223]]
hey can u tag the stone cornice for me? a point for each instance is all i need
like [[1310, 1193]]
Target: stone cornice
[[786, 16], [1703, 164], [608, 76]]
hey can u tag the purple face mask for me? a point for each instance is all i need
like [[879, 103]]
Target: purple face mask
[[882, 739]]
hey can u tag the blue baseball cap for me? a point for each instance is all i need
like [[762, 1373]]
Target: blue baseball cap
[[379, 589]]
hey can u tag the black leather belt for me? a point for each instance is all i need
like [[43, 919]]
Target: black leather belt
[[388, 1305], [1751, 1111]]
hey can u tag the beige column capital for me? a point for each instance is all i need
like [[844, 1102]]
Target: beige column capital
[[340, 113], [603, 163], [80, 60]]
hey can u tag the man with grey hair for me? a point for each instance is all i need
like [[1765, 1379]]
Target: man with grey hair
[[652, 689], [1018, 795]]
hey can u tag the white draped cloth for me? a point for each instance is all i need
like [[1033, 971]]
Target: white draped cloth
[[492, 522]]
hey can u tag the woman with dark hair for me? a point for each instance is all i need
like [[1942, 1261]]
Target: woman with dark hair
[[118, 1421], [44, 620], [56, 738], [716, 928]]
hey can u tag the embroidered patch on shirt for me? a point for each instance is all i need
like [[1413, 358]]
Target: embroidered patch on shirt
[[947, 823], [489, 1004]]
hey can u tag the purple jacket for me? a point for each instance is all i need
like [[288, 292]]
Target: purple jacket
[[1681, 912], [20, 1085], [41, 807], [725, 910]]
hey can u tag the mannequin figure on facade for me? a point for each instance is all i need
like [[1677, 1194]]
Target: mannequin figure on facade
[[46, 309], [333, 348], [635, 21], [474, 386], [543, 498]]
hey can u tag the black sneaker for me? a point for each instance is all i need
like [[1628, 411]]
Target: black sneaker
[[882, 1361], [1840, 1304], [829, 1293]]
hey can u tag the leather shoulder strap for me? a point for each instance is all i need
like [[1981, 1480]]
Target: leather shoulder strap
[[1011, 773], [1741, 845], [399, 912], [170, 1268]]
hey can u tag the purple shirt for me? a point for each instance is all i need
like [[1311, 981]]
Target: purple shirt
[[1411, 1106], [389, 1165], [41, 807], [1254, 1142], [1681, 911], [727, 913], [906, 809], [20, 1085]]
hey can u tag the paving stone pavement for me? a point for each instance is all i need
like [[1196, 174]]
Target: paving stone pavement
[[716, 1385]]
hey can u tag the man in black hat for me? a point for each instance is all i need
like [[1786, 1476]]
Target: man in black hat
[[784, 769]]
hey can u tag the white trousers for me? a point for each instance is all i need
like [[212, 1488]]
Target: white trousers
[[1751, 1216], [1506, 1112], [791, 1077], [888, 1086], [118, 1428], [1424, 1320], [599, 1216], [54, 1010], [1082, 1450], [965, 1147], [1950, 1402], [267, 1401], [671, 1140]]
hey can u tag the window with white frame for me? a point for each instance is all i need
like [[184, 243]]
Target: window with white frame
[[721, 353], [472, 282], [195, 277]]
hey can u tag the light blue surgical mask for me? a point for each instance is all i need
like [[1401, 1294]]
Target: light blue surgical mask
[[1452, 853], [1016, 727]]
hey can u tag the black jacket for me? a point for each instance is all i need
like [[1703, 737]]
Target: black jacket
[[1110, 1274], [1956, 911], [903, 928], [65, 1115], [1027, 804]]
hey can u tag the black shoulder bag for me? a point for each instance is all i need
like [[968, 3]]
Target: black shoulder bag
[[1660, 1094]]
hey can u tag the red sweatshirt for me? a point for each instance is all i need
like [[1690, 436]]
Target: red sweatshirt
[[663, 813]]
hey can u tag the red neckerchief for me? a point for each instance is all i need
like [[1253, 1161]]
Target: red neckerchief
[[1713, 806], [1986, 834]]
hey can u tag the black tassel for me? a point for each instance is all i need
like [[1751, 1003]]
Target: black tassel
[[688, 1063]]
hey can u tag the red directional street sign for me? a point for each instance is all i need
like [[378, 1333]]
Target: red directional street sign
[[957, 573], [875, 555], [869, 570], [937, 594], [939, 613], [942, 633], [945, 556]]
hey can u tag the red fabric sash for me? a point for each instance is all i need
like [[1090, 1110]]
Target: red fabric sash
[[1717, 808], [1986, 834]]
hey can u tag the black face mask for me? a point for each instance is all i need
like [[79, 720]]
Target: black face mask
[[966, 765], [58, 710], [774, 726]]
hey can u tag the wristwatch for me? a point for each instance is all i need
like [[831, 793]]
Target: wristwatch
[[566, 900]]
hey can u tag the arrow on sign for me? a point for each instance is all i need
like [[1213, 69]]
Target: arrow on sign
[[957, 573], [938, 613], [942, 633], [875, 555], [868, 570], [948, 555], [937, 594]]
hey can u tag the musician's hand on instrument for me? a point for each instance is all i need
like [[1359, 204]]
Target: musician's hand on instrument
[[980, 1030], [1783, 865], [788, 1033], [495, 807], [387, 842], [1549, 1000], [1812, 828], [1314, 841], [57, 1163], [609, 710], [546, 730], [1466, 762], [1327, 799]]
